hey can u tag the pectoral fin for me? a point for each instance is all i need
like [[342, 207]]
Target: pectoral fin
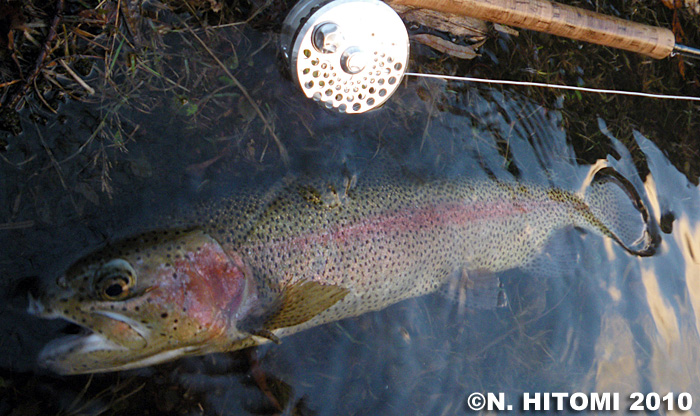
[[302, 301]]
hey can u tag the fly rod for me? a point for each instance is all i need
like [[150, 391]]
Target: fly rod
[[567, 21]]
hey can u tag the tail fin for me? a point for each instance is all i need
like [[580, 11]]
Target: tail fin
[[620, 213]]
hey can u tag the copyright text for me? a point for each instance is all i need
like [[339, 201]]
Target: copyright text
[[579, 402]]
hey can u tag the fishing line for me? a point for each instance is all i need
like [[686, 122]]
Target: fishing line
[[554, 86]]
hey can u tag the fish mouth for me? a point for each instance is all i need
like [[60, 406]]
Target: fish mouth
[[76, 353], [85, 349], [120, 344], [91, 352]]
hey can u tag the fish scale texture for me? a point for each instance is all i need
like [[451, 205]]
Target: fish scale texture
[[387, 241]]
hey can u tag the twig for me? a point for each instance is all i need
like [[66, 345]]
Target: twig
[[42, 55], [255, 52], [278, 142], [41, 98], [248, 20], [129, 21], [94, 133], [258, 11], [56, 84], [54, 162], [18, 165], [56, 166], [8, 83], [16, 225], [75, 76]]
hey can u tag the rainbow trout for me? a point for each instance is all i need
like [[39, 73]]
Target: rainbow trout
[[261, 266]]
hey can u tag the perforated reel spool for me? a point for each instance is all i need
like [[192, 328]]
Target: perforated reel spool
[[349, 55]]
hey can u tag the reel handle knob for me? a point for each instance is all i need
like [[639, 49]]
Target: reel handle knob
[[327, 37]]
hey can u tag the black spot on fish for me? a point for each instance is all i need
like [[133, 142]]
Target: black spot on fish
[[164, 315]]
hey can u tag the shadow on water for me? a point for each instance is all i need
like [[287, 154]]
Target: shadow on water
[[591, 318]]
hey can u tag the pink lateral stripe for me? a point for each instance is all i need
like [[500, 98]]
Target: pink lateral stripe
[[412, 220]]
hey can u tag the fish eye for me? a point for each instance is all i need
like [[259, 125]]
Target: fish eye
[[115, 280], [115, 287]]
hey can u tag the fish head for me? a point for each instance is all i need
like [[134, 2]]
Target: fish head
[[145, 300]]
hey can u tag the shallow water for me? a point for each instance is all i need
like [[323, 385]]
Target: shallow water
[[599, 319]]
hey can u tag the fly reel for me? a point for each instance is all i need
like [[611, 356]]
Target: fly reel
[[348, 55]]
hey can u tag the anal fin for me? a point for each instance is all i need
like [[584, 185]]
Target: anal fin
[[557, 257], [475, 289]]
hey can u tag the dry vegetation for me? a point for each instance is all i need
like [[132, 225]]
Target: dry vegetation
[[182, 56]]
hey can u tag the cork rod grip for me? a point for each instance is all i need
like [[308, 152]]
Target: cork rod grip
[[561, 20]]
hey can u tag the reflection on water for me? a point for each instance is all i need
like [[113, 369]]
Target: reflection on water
[[666, 356], [594, 319]]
